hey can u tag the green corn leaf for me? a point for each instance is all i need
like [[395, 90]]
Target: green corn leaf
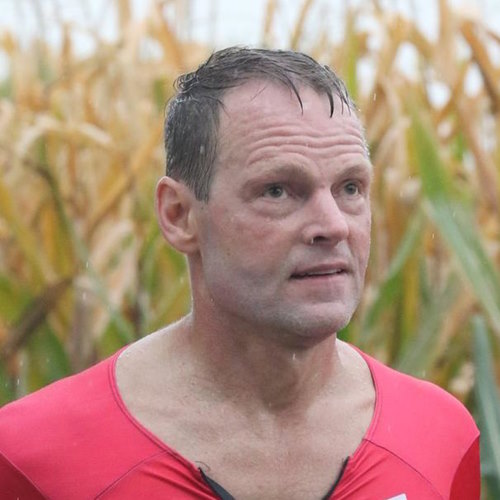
[[455, 223], [48, 360], [32, 317], [83, 255], [420, 352], [391, 286], [13, 298], [7, 392], [23, 234], [488, 407]]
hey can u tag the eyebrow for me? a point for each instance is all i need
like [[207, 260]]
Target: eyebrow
[[298, 171], [271, 171], [285, 168], [359, 167]]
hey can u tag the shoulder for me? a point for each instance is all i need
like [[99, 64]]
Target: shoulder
[[419, 403], [52, 435], [52, 410], [420, 423]]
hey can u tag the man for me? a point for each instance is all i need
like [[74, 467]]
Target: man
[[251, 396]]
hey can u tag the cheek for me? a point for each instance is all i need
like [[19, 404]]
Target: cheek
[[361, 240], [240, 265], [232, 246], [245, 236]]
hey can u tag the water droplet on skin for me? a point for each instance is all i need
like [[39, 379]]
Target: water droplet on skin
[[433, 235], [374, 96], [294, 357], [87, 265]]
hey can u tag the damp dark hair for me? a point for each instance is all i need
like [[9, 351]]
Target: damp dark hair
[[192, 122]]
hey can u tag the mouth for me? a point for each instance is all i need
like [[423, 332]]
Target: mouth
[[318, 273]]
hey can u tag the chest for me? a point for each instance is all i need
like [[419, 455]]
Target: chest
[[252, 452], [257, 470], [253, 459]]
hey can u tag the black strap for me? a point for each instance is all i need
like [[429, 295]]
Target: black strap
[[337, 481], [216, 487], [224, 495]]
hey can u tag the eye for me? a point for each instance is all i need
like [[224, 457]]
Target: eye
[[351, 188], [275, 191]]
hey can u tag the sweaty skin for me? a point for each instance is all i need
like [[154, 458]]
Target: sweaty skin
[[252, 392], [285, 179], [277, 259]]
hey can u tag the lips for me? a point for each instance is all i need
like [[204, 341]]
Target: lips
[[320, 271]]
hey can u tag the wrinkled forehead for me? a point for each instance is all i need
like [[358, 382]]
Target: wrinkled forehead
[[266, 105], [266, 96]]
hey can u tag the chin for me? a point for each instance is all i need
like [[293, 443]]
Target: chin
[[323, 328], [309, 328]]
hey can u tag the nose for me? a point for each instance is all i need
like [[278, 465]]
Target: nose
[[326, 223]]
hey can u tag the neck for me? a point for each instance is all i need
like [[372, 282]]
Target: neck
[[258, 373]]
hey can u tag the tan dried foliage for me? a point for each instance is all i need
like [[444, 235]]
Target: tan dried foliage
[[81, 149]]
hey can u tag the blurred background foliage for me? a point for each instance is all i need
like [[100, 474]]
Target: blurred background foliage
[[84, 269]]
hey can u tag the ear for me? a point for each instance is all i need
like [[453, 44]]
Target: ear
[[174, 209]]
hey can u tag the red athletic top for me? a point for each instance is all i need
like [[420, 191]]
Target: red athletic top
[[76, 440]]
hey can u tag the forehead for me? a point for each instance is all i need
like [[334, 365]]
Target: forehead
[[273, 97], [253, 112]]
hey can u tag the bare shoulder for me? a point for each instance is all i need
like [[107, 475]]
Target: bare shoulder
[[148, 367]]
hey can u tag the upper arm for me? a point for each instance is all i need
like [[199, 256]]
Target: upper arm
[[467, 481], [14, 484]]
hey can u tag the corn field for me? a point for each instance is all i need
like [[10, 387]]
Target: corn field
[[84, 269]]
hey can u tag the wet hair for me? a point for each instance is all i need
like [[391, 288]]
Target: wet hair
[[192, 122]]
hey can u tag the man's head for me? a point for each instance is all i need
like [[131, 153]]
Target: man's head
[[192, 125], [278, 234]]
